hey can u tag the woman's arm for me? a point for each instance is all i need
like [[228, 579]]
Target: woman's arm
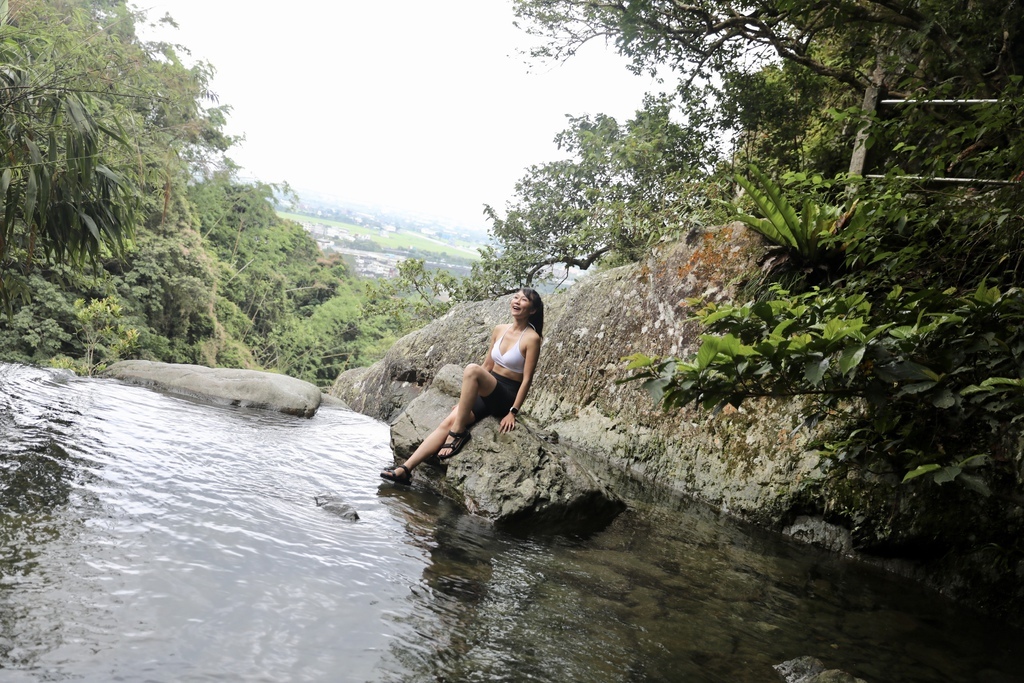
[[532, 343]]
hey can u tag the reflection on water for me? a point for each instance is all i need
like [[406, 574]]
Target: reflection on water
[[148, 537]]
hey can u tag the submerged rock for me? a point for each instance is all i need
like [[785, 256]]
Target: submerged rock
[[329, 502], [817, 531], [515, 479], [247, 388], [799, 670], [811, 670]]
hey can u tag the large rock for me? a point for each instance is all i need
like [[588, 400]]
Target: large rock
[[757, 462], [384, 389], [752, 462], [248, 388], [516, 478]]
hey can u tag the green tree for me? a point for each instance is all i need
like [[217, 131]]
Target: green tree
[[782, 118], [924, 42], [205, 270], [414, 297], [103, 332], [621, 187]]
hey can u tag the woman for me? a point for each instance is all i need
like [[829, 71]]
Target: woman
[[498, 387]]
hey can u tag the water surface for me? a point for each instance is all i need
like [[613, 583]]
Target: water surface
[[148, 537]]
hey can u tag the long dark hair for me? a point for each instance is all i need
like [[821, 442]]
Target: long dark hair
[[536, 308]]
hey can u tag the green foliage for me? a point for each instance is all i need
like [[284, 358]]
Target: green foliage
[[41, 328], [413, 298], [781, 115], [168, 282], [194, 266], [103, 333], [340, 334], [802, 232], [842, 41], [937, 372], [63, 198]]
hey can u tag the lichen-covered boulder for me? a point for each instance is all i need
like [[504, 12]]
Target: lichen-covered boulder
[[753, 462], [758, 461], [247, 388], [519, 478], [384, 390]]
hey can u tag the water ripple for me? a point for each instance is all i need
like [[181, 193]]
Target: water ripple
[[149, 537]]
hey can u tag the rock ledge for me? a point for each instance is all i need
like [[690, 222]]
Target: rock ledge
[[516, 479], [248, 388]]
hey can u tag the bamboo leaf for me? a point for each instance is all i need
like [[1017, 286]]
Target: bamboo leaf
[[91, 225], [31, 191]]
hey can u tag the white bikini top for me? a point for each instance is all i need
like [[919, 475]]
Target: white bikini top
[[513, 359]]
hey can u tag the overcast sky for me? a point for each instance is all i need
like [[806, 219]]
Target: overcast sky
[[412, 104]]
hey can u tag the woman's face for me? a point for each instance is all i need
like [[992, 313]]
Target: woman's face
[[520, 304]]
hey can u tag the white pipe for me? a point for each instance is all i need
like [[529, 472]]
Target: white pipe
[[978, 181], [939, 101]]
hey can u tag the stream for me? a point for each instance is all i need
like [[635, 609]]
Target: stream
[[150, 537]]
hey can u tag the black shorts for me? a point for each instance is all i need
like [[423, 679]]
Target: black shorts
[[498, 402]]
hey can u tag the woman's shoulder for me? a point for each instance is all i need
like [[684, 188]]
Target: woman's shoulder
[[531, 336]]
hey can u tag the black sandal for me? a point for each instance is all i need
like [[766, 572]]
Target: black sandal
[[391, 474], [459, 439]]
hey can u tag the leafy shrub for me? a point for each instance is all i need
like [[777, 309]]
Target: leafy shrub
[[939, 374]]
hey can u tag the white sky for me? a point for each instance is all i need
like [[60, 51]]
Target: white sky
[[410, 104]]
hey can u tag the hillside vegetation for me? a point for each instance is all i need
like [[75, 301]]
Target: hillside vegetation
[[875, 145], [125, 231]]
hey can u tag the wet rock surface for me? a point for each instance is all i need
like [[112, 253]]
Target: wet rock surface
[[247, 388], [332, 503], [817, 531]]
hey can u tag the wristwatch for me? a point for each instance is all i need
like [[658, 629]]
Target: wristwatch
[[514, 410]]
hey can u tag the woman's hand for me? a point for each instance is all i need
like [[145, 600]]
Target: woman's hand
[[508, 423]]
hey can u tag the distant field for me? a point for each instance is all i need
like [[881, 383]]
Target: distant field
[[398, 240]]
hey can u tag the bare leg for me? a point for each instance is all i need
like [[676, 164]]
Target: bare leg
[[475, 382], [432, 444]]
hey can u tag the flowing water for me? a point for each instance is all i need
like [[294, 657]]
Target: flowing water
[[147, 537]]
